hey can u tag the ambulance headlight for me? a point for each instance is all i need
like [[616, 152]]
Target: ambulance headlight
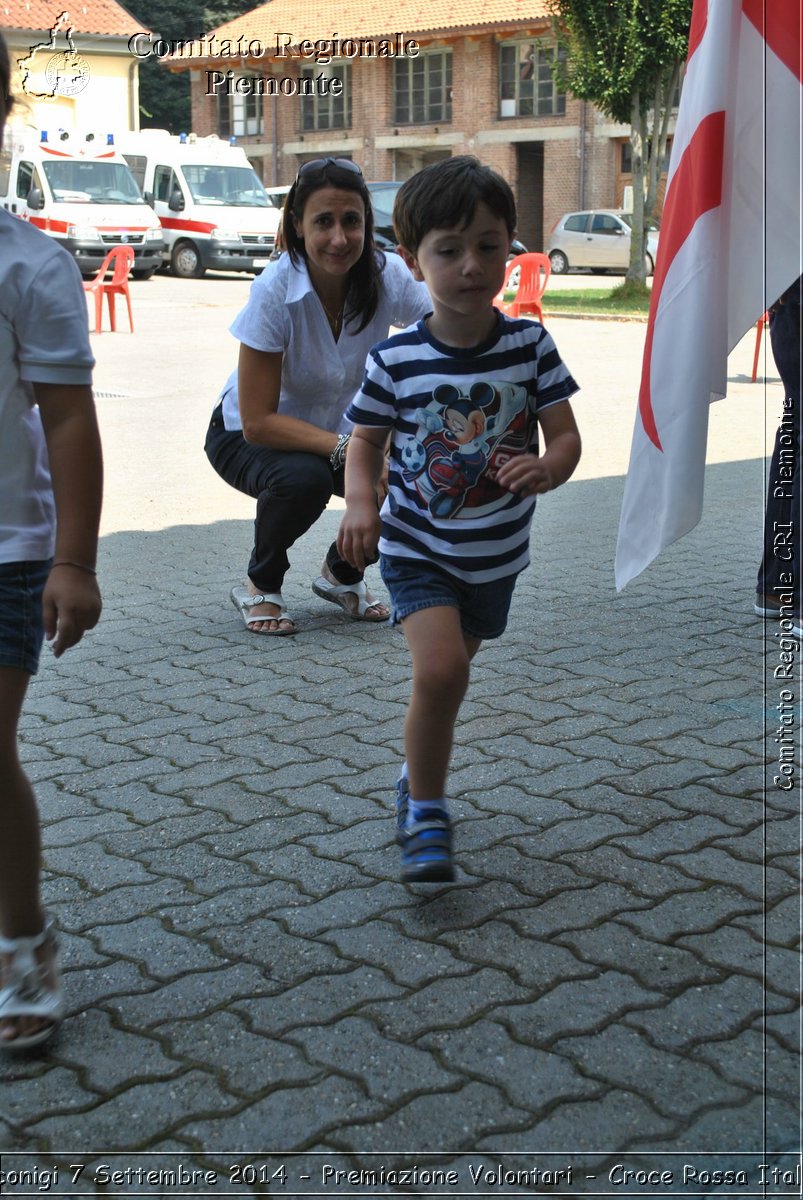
[[153, 235], [83, 233], [226, 235]]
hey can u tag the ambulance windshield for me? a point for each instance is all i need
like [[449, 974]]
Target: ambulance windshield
[[88, 181], [214, 184]]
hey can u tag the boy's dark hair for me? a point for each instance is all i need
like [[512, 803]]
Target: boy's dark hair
[[5, 76], [362, 298], [445, 195]]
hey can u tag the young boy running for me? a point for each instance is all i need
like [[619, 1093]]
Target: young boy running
[[461, 395]]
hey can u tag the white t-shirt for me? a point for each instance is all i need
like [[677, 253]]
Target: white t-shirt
[[44, 338], [319, 376]]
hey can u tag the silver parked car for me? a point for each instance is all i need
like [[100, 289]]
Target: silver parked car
[[598, 240]]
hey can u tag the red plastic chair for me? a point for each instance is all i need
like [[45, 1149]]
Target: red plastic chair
[[761, 325], [534, 271], [120, 259]]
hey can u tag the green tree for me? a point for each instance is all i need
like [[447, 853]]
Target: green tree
[[626, 57], [164, 96], [226, 10]]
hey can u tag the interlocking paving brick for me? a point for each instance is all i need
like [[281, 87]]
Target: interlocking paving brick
[[246, 1063], [740, 1127], [577, 908], [703, 910], [320, 1000], [609, 1122], [532, 1079], [390, 1070], [708, 1012], [536, 964], [292, 1118], [408, 962], [475, 1110], [577, 1006], [108, 1058], [653, 963], [133, 1117], [624, 1058], [445, 1003], [195, 993]]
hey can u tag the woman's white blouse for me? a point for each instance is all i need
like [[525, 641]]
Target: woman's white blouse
[[319, 376]]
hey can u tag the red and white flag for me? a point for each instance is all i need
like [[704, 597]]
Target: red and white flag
[[730, 244]]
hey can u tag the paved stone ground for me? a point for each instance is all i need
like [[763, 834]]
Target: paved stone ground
[[614, 978]]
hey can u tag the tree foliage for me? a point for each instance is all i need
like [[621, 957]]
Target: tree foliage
[[626, 57], [164, 96]]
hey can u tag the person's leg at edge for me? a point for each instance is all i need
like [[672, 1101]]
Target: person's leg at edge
[[21, 913]]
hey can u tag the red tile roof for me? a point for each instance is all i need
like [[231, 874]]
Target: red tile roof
[[86, 16], [313, 20]]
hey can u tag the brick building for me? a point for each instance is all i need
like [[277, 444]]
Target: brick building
[[476, 79]]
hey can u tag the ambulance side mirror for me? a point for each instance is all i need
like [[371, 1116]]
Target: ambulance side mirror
[[148, 198], [35, 198], [176, 201]]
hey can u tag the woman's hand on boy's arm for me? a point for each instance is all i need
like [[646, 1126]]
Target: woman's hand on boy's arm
[[534, 474], [358, 535]]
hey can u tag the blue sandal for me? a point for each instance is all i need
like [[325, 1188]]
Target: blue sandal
[[426, 843]]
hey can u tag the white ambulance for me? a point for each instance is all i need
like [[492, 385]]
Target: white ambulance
[[214, 211], [78, 188]]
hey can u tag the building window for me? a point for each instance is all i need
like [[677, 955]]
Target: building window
[[328, 111], [526, 83], [238, 116], [626, 157], [422, 88]]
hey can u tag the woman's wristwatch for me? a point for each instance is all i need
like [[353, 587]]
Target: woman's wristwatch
[[338, 456]]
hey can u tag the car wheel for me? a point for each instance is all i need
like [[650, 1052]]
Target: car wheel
[[143, 275], [559, 262], [649, 265], [186, 261]]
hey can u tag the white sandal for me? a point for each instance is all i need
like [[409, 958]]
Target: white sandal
[[26, 992], [243, 601], [337, 592]]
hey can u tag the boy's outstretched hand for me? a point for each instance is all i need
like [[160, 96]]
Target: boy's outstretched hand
[[358, 535], [366, 486], [71, 605]]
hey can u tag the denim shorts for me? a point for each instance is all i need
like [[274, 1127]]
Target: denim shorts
[[21, 629], [415, 584]]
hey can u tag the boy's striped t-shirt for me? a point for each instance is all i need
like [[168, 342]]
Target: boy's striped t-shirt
[[456, 415]]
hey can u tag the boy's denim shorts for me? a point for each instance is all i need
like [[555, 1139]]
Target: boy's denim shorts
[[415, 584], [21, 628]]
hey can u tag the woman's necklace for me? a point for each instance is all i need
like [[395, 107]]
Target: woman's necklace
[[335, 319]]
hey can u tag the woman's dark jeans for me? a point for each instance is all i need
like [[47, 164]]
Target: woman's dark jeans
[[291, 490], [781, 570]]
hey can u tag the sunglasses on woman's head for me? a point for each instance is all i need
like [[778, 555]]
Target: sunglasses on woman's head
[[318, 164]]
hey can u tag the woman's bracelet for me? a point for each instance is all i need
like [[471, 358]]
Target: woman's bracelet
[[66, 562], [338, 455]]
